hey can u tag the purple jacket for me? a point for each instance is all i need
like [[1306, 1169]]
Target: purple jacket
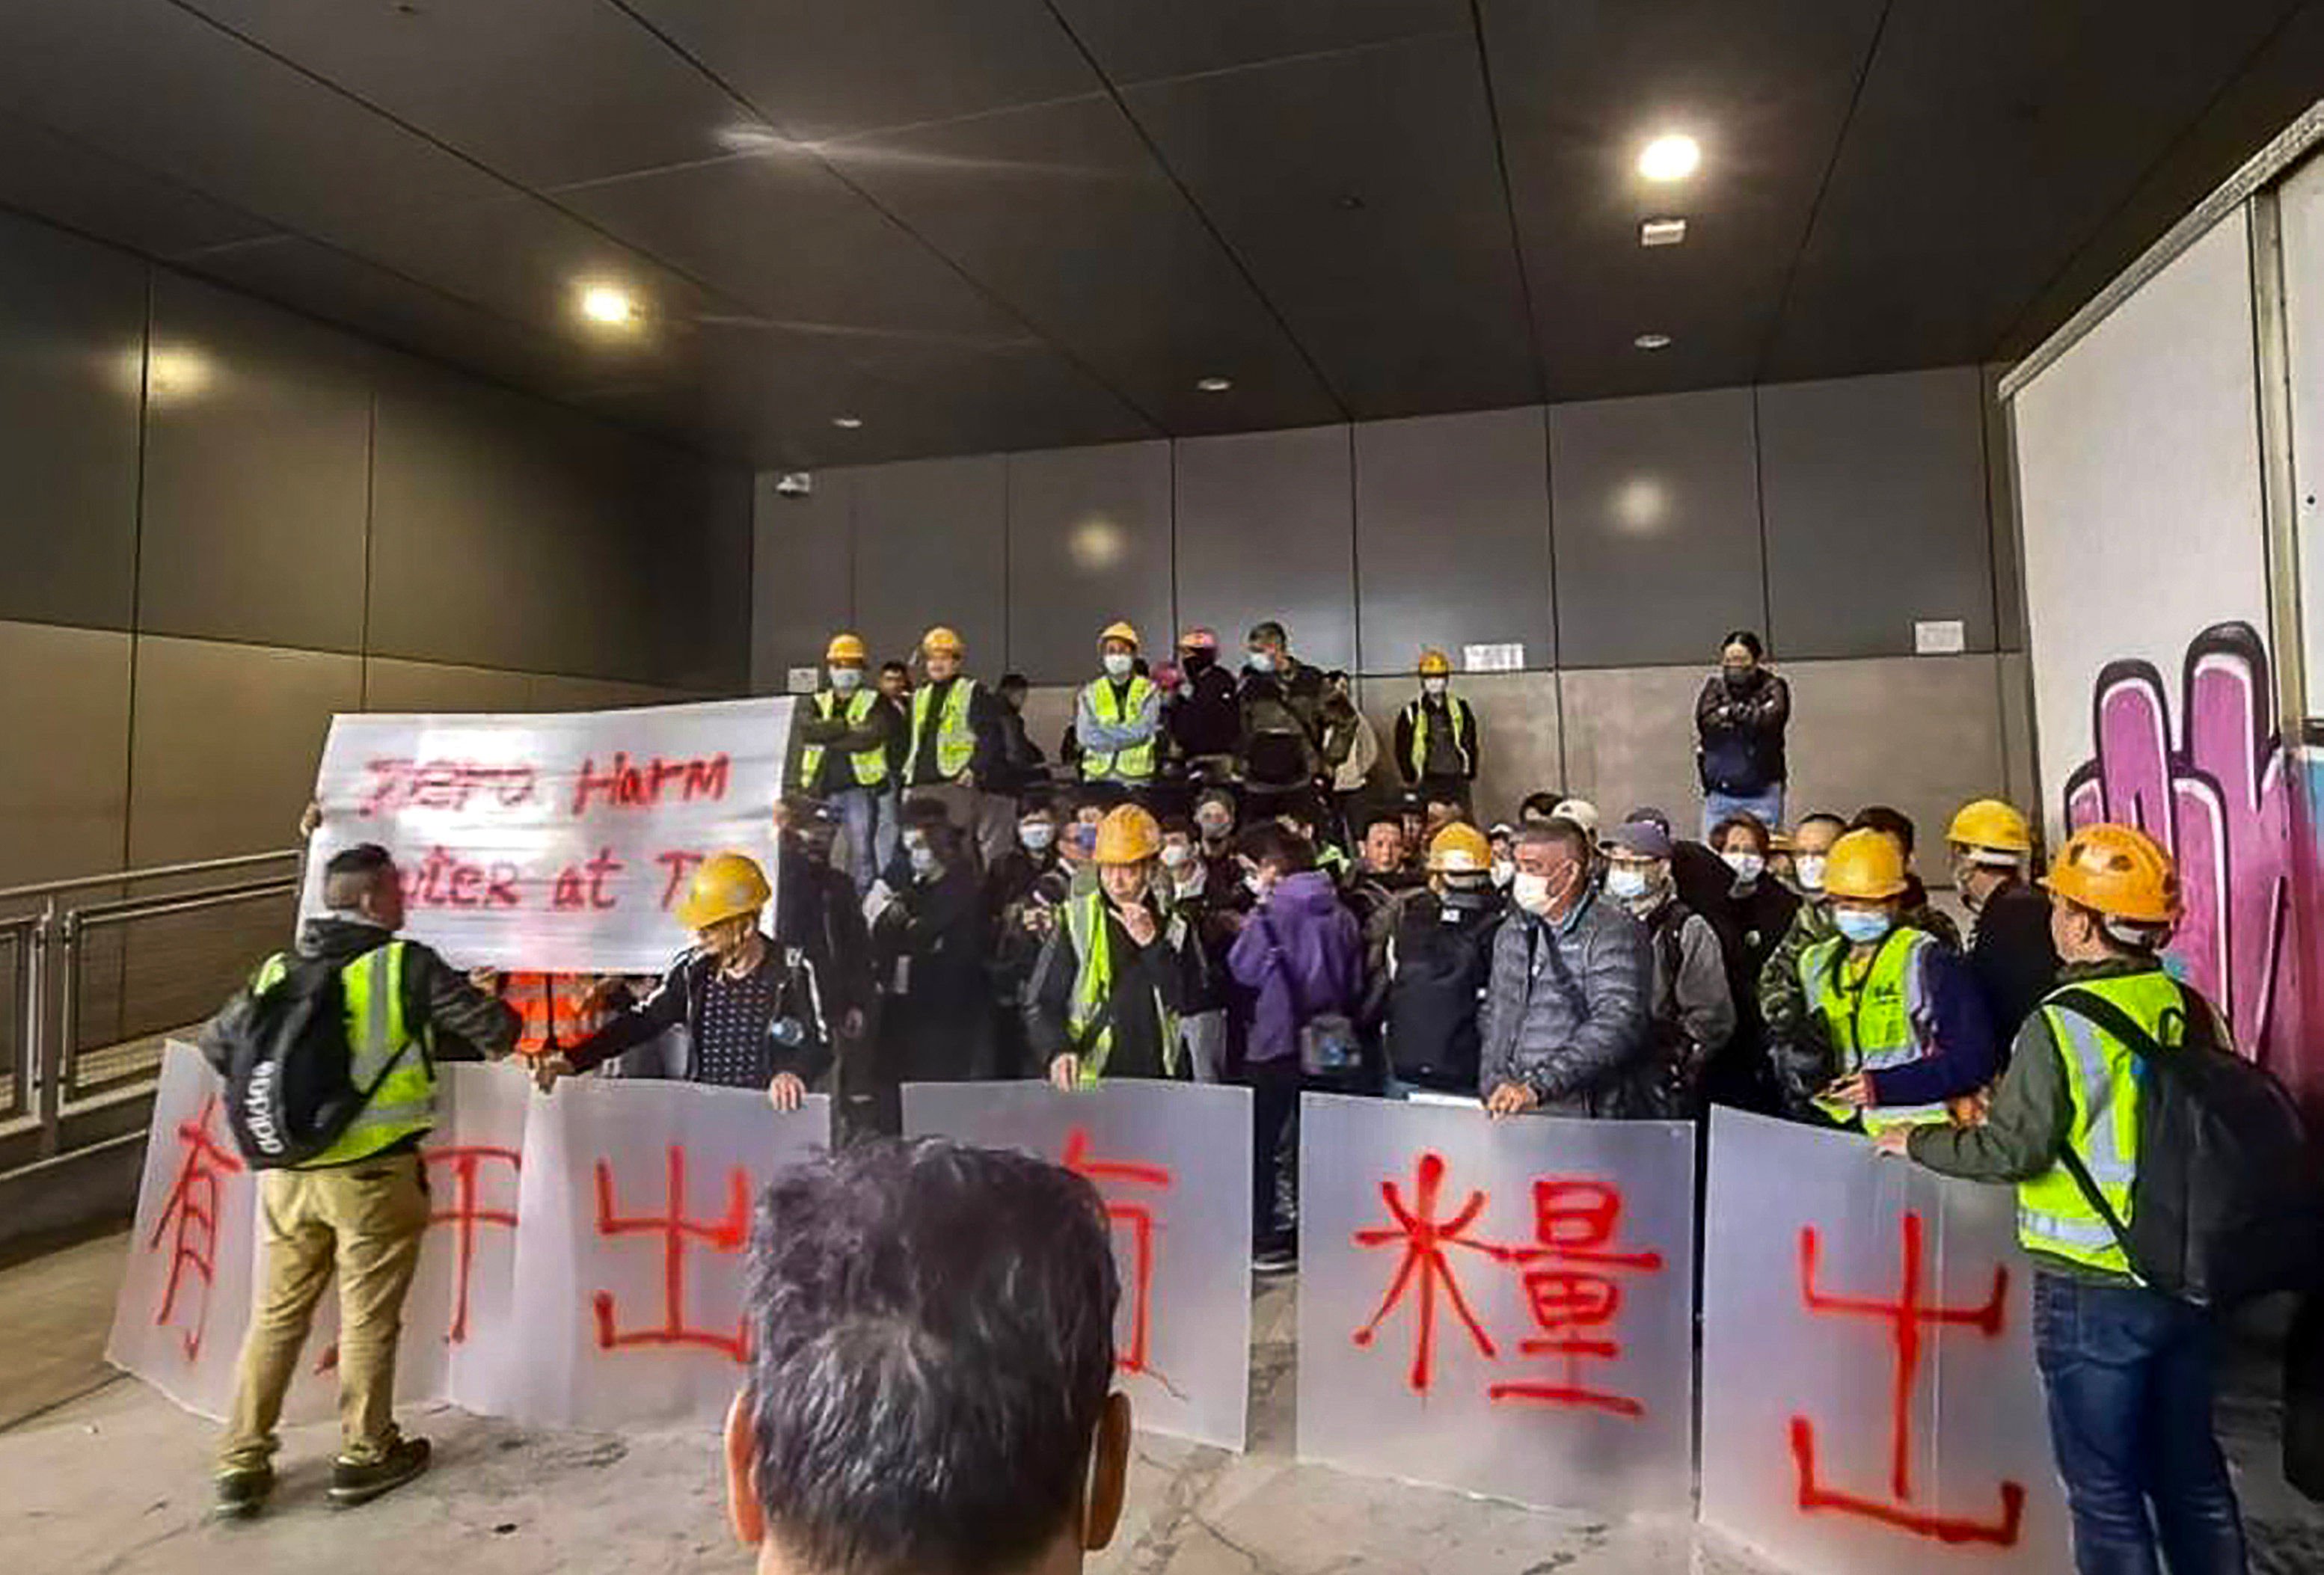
[[1320, 946]]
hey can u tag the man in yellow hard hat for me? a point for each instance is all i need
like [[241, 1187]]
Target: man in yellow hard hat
[[1438, 958], [752, 1019], [2010, 950], [1118, 717], [1107, 992], [1436, 735], [839, 753], [955, 747], [2128, 1370]]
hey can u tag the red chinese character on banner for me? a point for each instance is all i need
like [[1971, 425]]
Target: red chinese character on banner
[[463, 1216], [1906, 1317], [1424, 1237], [724, 1235], [196, 1199], [1138, 1219], [1573, 1298]]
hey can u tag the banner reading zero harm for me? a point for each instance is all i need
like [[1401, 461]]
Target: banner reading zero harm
[[553, 841]]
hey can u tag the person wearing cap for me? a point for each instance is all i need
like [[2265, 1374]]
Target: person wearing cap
[[1106, 995], [1581, 812], [1278, 753], [1118, 717], [1692, 1006], [955, 746], [1503, 841], [752, 1015], [1204, 718], [1436, 735], [839, 749], [1437, 962], [1412, 810], [2129, 1371], [1898, 1025], [2010, 950]]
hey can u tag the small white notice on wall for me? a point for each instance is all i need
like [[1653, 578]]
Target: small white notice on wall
[[1493, 658], [1940, 637], [803, 680]]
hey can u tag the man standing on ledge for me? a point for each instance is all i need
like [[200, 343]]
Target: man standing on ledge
[[1118, 718], [955, 747], [1740, 720], [839, 754], [1436, 736]]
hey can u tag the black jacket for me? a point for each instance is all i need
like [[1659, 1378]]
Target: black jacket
[[1455, 716], [1740, 733], [2014, 959], [469, 1024], [937, 1027], [1204, 718], [840, 740], [1022, 766], [1175, 971], [984, 708], [679, 999], [818, 912], [1442, 955]]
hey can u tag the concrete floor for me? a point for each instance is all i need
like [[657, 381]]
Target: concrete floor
[[103, 1474]]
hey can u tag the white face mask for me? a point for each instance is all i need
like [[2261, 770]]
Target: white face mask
[[1627, 882], [1214, 825], [924, 861], [1118, 664], [1262, 661], [846, 680], [1503, 870], [1434, 685], [1036, 834], [1809, 868], [1747, 866], [1530, 891], [1174, 854]]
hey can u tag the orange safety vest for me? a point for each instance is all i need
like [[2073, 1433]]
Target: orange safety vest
[[557, 1002]]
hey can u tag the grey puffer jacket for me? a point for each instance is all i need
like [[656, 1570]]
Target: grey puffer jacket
[[1566, 1012]]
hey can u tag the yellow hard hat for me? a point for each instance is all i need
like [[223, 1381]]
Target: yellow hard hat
[[845, 648], [1120, 629], [1128, 835], [1988, 822], [1434, 663], [2116, 871], [1459, 848], [1864, 865], [942, 639], [725, 885]]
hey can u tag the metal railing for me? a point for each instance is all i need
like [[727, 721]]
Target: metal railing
[[99, 972]]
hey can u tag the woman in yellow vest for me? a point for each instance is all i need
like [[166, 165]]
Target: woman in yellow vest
[[840, 739], [2128, 1370], [1898, 1014], [1112, 981], [1118, 719]]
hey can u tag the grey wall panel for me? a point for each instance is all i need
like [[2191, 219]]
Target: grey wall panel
[[1629, 739], [1518, 733], [802, 554], [1266, 529], [931, 547], [1656, 513], [1921, 733], [64, 706], [2020, 771], [257, 473], [191, 799], [1874, 497], [552, 692], [1452, 536], [1089, 543], [72, 336], [391, 684], [2008, 534], [689, 534]]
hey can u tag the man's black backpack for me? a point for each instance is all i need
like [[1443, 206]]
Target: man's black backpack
[[290, 1080], [2226, 1204]]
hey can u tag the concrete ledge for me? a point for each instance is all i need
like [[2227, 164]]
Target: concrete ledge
[[73, 1191]]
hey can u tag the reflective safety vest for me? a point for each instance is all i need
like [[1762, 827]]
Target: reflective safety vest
[[871, 765], [404, 1102], [1136, 763], [1870, 1021], [2102, 1076], [1094, 987], [1458, 717], [956, 739]]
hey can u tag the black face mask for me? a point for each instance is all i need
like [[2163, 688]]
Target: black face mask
[[1739, 678], [1195, 662]]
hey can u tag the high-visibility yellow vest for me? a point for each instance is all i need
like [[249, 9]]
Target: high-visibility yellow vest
[[404, 1102], [1458, 718], [871, 766], [1869, 1020], [1136, 763], [1093, 985], [956, 739], [2053, 1216]]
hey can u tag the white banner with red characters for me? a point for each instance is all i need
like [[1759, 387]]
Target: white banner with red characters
[[557, 841], [1869, 1395], [1173, 1163], [1502, 1307], [583, 1265]]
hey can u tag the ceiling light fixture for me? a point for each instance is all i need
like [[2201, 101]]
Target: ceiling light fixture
[[847, 423], [609, 305], [1662, 232], [1652, 341], [1673, 157], [1215, 384]]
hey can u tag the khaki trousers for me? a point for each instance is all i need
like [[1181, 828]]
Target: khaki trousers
[[365, 1220]]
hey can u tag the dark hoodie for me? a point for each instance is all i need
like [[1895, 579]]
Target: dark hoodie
[[1203, 716]]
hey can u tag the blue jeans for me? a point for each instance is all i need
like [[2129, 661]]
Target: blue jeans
[[868, 816], [1767, 805], [2128, 1373]]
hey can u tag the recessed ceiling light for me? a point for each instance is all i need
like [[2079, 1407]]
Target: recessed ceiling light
[[1215, 384], [1662, 232], [607, 304], [1348, 202], [1670, 158], [847, 423], [1652, 341]]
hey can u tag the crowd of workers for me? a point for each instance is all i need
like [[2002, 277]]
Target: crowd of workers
[[1209, 890]]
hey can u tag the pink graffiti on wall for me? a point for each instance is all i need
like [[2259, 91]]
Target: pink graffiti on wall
[[2220, 799]]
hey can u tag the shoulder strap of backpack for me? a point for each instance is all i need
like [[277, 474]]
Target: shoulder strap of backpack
[[2094, 1007]]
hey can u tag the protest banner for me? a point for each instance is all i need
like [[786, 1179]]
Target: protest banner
[[1172, 1162], [1503, 1307], [556, 842], [1869, 1395]]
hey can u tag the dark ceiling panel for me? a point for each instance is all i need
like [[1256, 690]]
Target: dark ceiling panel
[[543, 91], [818, 70], [1580, 89], [2016, 129], [47, 173], [1061, 212], [1136, 40], [1410, 302]]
